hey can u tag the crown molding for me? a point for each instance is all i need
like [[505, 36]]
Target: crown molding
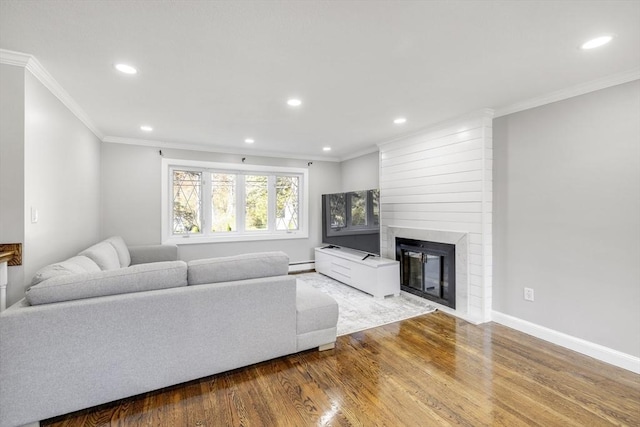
[[30, 63], [360, 153], [213, 149], [570, 92], [10, 57]]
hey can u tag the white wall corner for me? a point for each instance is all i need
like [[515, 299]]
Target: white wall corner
[[597, 351]]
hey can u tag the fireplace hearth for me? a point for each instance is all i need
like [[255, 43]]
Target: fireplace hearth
[[427, 269]]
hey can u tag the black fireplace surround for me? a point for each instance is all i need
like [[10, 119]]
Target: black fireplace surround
[[428, 269]]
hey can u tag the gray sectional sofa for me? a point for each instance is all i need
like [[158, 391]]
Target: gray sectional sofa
[[114, 322]]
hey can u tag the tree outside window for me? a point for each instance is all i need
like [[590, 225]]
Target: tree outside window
[[287, 197], [256, 202], [223, 202], [187, 187]]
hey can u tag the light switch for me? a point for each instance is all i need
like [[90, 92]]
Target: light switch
[[34, 215]]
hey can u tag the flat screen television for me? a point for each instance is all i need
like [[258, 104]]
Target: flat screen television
[[352, 220]]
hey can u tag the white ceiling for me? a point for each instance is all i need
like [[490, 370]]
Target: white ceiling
[[215, 73]]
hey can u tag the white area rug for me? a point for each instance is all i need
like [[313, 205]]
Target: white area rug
[[360, 311]]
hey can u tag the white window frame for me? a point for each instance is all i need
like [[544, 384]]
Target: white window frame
[[168, 165]]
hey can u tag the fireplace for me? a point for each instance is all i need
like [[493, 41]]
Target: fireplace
[[428, 269]]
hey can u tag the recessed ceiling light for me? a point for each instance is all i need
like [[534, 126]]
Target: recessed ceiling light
[[400, 120], [326, 148], [597, 42], [293, 102], [249, 141], [146, 128], [127, 69]]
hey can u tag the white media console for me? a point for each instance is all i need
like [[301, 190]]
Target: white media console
[[377, 276]]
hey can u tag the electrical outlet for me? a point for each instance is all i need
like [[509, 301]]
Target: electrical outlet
[[528, 294]]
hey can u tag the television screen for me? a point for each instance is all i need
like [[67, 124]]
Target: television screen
[[352, 220]]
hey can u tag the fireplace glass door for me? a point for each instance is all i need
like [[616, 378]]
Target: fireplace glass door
[[427, 269], [424, 272]]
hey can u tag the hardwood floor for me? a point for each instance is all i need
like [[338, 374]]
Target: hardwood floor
[[426, 371]]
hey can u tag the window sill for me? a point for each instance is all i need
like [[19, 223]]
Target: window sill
[[228, 238]]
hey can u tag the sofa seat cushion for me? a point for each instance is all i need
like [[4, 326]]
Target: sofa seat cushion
[[74, 265], [103, 254], [121, 249], [315, 310], [239, 267], [138, 278]]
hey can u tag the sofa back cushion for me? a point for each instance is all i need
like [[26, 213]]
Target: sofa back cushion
[[103, 254], [239, 267], [74, 265], [137, 278], [121, 249]]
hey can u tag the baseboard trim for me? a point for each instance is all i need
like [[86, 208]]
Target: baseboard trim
[[597, 351]]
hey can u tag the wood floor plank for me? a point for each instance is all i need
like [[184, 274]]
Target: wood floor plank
[[214, 398], [434, 369]]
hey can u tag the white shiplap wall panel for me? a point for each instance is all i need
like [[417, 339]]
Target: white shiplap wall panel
[[461, 132], [456, 187], [401, 153], [471, 176], [426, 207], [440, 151], [431, 156], [469, 217], [433, 198], [460, 227], [424, 159], [436, 169], [441, 180], [475, 238]]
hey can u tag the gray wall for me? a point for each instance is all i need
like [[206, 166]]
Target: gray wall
[[132, 197], [12, 168], [62, 180], [49, 160], [361, 173], [567, 216]]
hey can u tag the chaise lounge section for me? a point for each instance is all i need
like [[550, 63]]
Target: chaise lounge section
[[148, 321]]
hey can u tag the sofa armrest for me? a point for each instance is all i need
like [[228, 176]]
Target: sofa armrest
[[153, 253]]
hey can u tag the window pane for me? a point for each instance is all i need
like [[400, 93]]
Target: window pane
[[337, 210], [358, 208], [223, 202], [256, 202], [287, 202], [186, 202]]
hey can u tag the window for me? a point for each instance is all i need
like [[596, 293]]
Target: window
[[355, 212], [256, 202], [213, 202], [223, 202], [187, 187], [287, 202]]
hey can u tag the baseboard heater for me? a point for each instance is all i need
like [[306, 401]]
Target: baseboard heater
[[296, 267]]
